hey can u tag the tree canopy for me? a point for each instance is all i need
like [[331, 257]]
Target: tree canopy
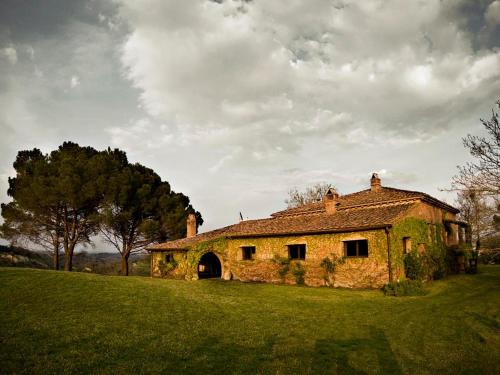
[[139, 208], [63, 199]]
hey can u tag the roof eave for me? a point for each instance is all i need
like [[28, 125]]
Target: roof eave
[[154, 249], [302, 233], [437, 202]]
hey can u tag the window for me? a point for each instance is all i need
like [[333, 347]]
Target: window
[[406, 245], [357, 248], [247, 252], [169, 258], [297, 251]]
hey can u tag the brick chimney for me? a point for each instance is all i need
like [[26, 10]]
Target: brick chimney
[[375, 184], [331, 201], [191, 225]]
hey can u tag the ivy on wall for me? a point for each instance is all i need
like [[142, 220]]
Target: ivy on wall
[[329, 265], [429, 257], [217, 246], [327, 262]]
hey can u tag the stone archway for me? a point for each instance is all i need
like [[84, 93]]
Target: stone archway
[[209, 266]]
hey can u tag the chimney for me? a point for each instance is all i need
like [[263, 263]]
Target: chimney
[[191, 226], [375, 183], [331, 201]]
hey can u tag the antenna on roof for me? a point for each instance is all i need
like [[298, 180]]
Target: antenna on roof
[[241, 216]]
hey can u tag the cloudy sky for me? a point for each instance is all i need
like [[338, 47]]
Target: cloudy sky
[[236, 102]]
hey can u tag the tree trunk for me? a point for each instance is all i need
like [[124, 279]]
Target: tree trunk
[[68, 258], [55, 259], [124, 264]]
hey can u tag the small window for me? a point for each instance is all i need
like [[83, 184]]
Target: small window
[[297, 251], [169, 258], [406, 245], [247, 252], [357, 248]]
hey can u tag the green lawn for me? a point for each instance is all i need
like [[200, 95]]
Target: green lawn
[[75, 322]]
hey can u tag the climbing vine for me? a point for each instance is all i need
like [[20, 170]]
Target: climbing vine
[[329, 265], [286, 266], [298, 271], [283, 266], [217, 245], [166, 267], [429, 258]]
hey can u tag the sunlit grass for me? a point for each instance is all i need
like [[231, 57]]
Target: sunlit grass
[[75, 322]]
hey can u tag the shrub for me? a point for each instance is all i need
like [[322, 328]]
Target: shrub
[[413, 266], [404, 288], [438, 274], [298, 272]]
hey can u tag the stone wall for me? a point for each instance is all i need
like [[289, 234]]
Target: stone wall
[[424, 228], [360, 272]]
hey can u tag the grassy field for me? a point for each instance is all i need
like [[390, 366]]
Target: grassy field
[[80, 323]]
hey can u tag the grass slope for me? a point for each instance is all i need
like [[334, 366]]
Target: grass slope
[[75, 322]]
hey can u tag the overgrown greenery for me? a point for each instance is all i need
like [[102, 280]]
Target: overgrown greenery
[[286, 266], [283, 264], [298, 272], [329, 265], [168, 266], [190, 263], [141, 325]]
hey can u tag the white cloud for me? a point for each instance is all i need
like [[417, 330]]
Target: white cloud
[[101, 17], [31, 52], [331, 89], [492, 15], [273, 68], [74, 81], [139, 134], [481, 69], [220, 163], [10, 53]]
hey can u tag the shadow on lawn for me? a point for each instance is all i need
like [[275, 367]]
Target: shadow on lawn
[[332, 356], [328, 356], [212, 355]]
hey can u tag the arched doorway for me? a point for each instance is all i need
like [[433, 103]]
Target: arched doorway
[[209, 266]]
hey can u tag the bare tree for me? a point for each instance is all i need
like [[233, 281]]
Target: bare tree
[[311, 194], [483, 174], [478, 209]]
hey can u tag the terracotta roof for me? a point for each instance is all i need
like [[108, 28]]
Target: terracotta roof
[[367, 198], [184, 243], [362, 210], [342, 221]]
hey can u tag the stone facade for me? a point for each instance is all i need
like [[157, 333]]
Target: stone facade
[[413, 221]]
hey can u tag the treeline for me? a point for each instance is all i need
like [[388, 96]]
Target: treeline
[[63, 199]]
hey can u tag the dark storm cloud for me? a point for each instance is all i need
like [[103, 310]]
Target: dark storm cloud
[[28, 21], [473, 17]]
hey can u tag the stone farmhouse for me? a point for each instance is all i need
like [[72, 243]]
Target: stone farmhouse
[[370, 231]]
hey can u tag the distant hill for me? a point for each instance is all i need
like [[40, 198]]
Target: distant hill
[[18, 257], [103, 263]]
